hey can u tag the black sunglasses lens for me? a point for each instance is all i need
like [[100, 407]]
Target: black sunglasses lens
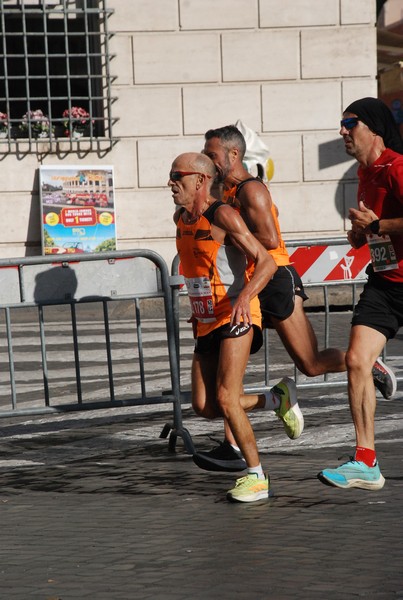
[[349, 123], [175, 175]]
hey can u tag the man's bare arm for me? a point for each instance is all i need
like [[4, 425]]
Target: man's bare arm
[[256, 203], [265, 267]]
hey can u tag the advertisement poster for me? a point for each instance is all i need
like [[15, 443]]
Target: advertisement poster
[[78, 209]]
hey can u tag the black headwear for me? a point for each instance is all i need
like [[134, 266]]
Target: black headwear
[[379, 118]]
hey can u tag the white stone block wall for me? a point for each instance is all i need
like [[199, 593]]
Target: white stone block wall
[[286, 68]]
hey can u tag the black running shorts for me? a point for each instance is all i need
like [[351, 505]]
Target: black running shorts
[[380, 305], [210, 343], [277, 299]]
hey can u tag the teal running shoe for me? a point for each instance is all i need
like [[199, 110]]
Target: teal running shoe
[[353, 474]]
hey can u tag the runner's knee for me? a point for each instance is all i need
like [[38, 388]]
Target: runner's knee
[[224, 402], [356, 362]]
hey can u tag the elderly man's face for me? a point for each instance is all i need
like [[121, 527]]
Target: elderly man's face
[[182, 181]]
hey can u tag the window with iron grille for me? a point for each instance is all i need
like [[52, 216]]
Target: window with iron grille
[[55, 78]]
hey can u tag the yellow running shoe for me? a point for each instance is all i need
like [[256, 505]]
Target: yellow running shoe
[[289, 411], [249, 489]]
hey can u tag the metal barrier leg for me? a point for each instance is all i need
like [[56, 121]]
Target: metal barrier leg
[[174, 433], [176, 429]]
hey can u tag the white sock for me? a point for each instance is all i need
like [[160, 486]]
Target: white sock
[[272, 402], [235, 447], [257, 471]]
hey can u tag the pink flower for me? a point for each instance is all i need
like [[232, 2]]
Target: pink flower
[[76, 116], [3, 120], [37, 122]]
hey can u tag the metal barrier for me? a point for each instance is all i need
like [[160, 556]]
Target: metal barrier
[[57, 309], [322, 264], [61, 306]]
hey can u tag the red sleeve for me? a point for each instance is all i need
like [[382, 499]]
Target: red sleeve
[[395, 179]]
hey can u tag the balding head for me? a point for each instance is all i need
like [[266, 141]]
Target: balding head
[[197, 163]]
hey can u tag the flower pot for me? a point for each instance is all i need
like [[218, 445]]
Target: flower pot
[[77, 133], [80, 131], [4, 133]]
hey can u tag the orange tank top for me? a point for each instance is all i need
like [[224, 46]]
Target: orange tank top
[[214, 273]]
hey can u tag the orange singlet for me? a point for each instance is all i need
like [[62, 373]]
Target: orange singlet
[[214, 273]]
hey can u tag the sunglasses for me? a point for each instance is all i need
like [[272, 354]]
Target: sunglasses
[[349, 122], [177, 175]]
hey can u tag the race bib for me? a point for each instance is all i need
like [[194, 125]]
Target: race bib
[[201, 299], [383, 255]]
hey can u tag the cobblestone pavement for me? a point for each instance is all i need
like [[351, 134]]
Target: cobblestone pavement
[[95, 506]]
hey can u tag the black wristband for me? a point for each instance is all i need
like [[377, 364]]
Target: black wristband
[[374, 226]]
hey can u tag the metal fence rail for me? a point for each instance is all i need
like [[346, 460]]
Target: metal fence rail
[[60, 325]]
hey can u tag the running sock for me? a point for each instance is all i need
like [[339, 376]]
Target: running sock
[[235, 447], [365, 455], [272, 402], [256, 471]]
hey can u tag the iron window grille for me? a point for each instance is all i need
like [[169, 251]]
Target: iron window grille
[[54, 57]]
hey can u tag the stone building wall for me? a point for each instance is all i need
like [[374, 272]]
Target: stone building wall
[[286, 68]]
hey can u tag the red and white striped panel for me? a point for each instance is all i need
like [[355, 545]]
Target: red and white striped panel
[[317, 264]]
